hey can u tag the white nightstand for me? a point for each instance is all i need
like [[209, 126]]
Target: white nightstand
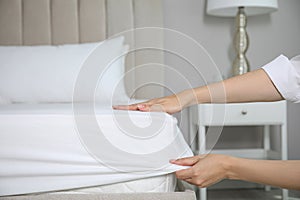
[[240, 114]]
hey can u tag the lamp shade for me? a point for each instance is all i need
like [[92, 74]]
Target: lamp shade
[[228, 8]]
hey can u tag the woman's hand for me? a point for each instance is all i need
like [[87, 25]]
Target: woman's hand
[[205, 169], [170, 104]]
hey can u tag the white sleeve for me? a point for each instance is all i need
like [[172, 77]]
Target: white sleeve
[[285, 74]]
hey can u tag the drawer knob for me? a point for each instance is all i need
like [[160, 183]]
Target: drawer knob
[[244, 112]]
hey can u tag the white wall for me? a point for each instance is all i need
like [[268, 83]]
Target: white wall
[[270, 35]]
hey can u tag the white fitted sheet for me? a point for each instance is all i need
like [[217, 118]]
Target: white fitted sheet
[[42, 147]]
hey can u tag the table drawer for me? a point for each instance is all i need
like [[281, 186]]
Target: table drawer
[[242, 113]]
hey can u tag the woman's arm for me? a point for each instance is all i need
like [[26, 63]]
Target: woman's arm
[[209, 169], [249, 87]]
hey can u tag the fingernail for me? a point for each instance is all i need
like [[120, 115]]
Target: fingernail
[[172, 160]]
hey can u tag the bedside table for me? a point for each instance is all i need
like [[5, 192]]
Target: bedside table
[[264, 114]]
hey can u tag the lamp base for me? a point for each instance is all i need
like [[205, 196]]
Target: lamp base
[[241, 41], [240, 65]]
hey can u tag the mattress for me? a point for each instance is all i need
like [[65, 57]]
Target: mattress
[[162, 183], [54, 147]]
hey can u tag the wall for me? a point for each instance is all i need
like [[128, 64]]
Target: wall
[[270, 35]]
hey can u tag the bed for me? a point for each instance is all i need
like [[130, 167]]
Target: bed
[[40, 146], [50, 116]]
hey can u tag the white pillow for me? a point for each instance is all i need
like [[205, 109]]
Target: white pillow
[[111, 85], [34, 74]]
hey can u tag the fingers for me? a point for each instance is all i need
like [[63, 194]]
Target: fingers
[[185, 174], [190, 175], [140, 107], [125, 107], [144, 106], [205, 171], [189, 161], [202, 181]]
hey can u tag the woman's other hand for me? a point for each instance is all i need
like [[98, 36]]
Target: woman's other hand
[[205, 169]]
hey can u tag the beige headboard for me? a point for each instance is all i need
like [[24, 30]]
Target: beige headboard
[[53, 22]]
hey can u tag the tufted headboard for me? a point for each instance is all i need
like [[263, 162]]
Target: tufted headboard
[[53, 22]]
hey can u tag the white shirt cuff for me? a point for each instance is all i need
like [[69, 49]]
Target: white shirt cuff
[[285, 75]]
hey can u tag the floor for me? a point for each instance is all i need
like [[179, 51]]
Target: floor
[[247, 194]]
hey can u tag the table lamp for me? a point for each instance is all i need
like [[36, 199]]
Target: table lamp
[[240, 8]]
